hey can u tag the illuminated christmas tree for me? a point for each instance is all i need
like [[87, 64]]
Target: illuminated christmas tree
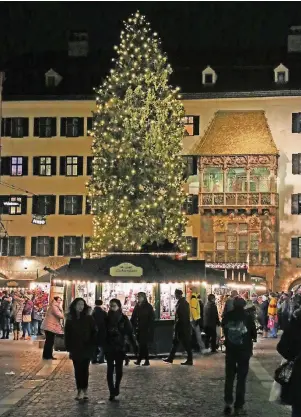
[[136, 185]]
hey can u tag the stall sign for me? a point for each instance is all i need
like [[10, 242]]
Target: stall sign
[[126, 270], [12, 284]]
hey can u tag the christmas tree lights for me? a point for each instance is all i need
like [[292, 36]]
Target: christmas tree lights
[[136, 186]]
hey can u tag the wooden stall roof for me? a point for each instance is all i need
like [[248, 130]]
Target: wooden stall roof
[[155, 269]]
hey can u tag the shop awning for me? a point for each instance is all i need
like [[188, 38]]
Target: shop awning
[[135, 268]]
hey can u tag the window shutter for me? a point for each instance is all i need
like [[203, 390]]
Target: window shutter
[[36, 127], [53, 165], [196, 125], [60, 246], [87, 239], [36, 165], [62, 165], [295, 247], [295, 204], [61, 204], [34, 241], [79, 209], [81, 126], [4, 246], [195, 204], [295, 163], [3, 122], [194, 247], [22, 246], [195, 165], [25, 126], [89, 165], [63, 126], [25, 165], [80, 164], [4, 209], [79, 245], [53, 126], [35, 204], [89, 123], [7, 127], [24, 204], [51, 205], [295, 122], [6, 165], [88, 205], [51, 246], [14, 127]]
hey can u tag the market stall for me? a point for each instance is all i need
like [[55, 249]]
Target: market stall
[[123, 275]]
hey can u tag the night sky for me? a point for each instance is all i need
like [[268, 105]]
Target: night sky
[[39, 26]]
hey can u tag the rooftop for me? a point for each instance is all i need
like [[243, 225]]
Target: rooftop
[[237, 133]]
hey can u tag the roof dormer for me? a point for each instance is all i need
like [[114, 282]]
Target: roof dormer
[[209, 76], [52, 78], [281, 74]]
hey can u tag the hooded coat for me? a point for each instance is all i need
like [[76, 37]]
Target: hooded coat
[[142, 320], [52, 321], [5, 313]]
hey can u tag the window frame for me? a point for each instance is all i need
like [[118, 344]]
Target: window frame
[[17, 164], [15, 210], [194, 122], [72, 165], [73, 204], [296, 163], [47, 165], [296, 204], [12, 247]]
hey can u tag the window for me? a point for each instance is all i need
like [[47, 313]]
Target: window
[[243, 242], [72, 126], [296, 123], [296, 203], [296, 247], [260, 180], [193, 246], [16, 165], [43, 205], [44, 166], [191, 205], [50, 81], [89, 165], [208, 78], [296, 163], [70, 204], [44, 127], [15, 127], [12, 246], [220, 239], [191, 125], [254, 241], [88, 205], [191, 166], [281, 77], [70, 246], [18, 208], [213, 180], [71, 166], [237, 180], [42, 246]]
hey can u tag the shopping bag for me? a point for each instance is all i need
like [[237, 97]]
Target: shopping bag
[[275, 394], [271, 323], [59, 343]]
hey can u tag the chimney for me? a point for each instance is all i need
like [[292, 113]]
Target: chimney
[[294, 39], [78, 44]]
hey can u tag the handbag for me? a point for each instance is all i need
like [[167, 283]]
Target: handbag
[[283, 374], [275, 394], [26, 318], [271, 323]]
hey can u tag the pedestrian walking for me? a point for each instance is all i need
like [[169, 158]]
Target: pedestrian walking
[[211, 322], [5, 314], [118, 327], [240, 332], [263, 315], [195, 318], [80, 342], [52, 325], [289, 347], [142, 320], [26, 317], [99, 316], [17, 314], [273, 316], [182, 330]]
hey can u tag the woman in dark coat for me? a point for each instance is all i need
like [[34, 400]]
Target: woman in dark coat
[[290, 348], [263, 316], [142, 320], [211, 321], [118, 327], [5, 313], [80, 342]]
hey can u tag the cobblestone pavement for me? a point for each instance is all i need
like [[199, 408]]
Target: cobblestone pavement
[[160, 390]]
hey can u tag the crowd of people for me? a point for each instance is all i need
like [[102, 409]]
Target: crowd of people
[[22, 313], [97, 335]]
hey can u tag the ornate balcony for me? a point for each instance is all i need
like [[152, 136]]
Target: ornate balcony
[[219, 200]]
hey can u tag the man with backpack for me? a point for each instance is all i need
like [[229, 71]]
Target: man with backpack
[[240, 333]]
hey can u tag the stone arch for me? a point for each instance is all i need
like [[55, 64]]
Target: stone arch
[[295, 284]]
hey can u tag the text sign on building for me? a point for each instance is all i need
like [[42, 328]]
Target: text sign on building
[[126, 270]]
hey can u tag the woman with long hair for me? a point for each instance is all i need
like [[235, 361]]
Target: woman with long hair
[[80, 342], [118, 327]]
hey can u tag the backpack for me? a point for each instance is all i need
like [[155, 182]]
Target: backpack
[[236, 331]]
